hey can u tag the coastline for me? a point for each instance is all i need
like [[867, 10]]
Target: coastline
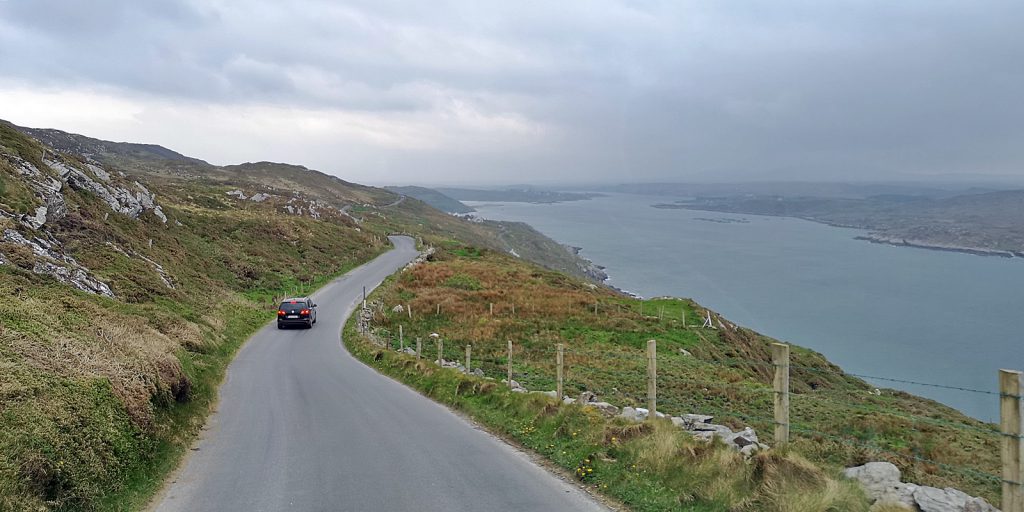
[[920, 244], [872, 237]]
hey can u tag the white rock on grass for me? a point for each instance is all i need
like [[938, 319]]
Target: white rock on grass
[[931, 499], [604, 407]]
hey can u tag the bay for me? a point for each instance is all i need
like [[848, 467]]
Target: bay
[[901, 313]]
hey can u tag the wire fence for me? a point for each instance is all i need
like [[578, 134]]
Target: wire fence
[[850, 421]]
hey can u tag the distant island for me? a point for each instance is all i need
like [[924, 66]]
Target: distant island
[[524, 194], [989, 223]]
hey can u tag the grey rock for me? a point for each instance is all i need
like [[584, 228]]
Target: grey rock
[[979, 505], [568, 400], [932, 499], [159, 212], [694, 419], [750, 449], [76, 277], [3, 259], [237, 193], [586, 397], [552, 394], [36, 221], [881, 482], [479, 372], [99, 172], [745, 437], [260, 197], [605, 408]]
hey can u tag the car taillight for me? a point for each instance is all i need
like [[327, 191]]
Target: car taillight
[[304, 312], [280, 312]]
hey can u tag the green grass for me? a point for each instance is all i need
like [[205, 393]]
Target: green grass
[[725, 372], [648, 467]]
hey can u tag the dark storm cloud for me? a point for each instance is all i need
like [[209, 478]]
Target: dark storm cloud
[[588, 90]]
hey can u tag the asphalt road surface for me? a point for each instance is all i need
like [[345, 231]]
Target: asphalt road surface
[[302, 425]]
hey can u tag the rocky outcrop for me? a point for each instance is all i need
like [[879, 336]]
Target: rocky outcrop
[[52, 261], [882, 483]]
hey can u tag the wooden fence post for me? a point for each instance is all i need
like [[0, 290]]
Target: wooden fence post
[[419, 348], [513, 309], [560, 361], [780, 359], [440, 351], [652, 379], [408, 308], [401, 338], [469, 352], [438, 309], [492, 308], [1010, 424], [510, 363]]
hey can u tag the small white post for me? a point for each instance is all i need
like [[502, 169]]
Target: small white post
[[707, 321], [419, 348], [401, 338]]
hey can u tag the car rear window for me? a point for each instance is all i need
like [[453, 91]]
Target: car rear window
[[289, 304]]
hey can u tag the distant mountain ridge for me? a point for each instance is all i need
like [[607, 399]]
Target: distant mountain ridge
[[102, 149], [433, 198]]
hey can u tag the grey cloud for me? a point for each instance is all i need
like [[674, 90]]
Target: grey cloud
[[784, 89]]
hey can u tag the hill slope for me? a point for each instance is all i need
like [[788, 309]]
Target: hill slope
[[132, 273], [433, 198]]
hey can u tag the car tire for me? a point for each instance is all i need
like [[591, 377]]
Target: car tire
[[309, 325], [280, 325]]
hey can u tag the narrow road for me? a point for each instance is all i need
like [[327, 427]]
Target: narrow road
[[304, 426]]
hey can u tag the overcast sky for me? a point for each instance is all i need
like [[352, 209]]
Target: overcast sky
[[478, 92]]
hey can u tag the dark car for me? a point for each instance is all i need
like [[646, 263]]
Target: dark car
[[298, 311]]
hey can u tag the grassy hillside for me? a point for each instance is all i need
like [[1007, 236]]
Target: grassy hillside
[[131, 275], [433, 198], [838, 420]]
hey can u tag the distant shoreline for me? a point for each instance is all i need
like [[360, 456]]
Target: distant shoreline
[[875, 238], [902, 242]]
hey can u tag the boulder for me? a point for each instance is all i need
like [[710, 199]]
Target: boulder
[[932, 499], [745, 437], [631, 414], [881, 482], [586, 397], [568, 400], [605, 408]]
